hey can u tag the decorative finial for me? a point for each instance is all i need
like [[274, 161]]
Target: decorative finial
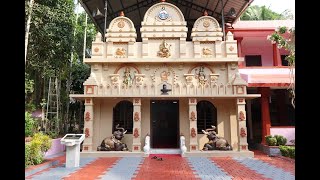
[[163, 0], [121, 13], [205, 13]]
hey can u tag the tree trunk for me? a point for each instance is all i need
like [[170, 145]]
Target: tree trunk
[[27, 30]]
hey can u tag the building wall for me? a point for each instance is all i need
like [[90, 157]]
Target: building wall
[[226, 116]]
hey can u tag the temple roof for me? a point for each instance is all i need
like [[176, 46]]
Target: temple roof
[[135, 10]]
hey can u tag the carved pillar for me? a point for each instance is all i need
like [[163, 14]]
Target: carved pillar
[[241, 118], [136, 144], [193, 124], [265, 112], [183, 48], [88, 125], [276, 55]]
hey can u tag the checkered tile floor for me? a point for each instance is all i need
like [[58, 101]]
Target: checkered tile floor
[[171, 167]]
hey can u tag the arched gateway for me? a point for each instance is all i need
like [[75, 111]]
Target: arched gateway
[[164, 80]]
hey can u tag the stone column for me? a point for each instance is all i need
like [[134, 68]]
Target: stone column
[[241, 114], [239, 40], [88, 125], [265, 113], [136, 144], [276, 55], [193, 124]]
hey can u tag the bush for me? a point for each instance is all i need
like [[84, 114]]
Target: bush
[[30, 125], [271, 141], [281, 141], [34, 151], [288, 151]]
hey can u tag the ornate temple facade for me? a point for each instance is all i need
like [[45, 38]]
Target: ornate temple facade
[[165, 86]]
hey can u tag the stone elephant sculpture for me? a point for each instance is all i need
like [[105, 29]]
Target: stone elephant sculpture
[[114, 143], [215, 142]]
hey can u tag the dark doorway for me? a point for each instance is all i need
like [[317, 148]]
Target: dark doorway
[[164, 123]]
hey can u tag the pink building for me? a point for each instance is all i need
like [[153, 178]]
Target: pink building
[[267, 73]]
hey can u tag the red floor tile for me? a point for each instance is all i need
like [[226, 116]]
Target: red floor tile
[[93, 170], [275, 161], [171, 168], [236, 170]]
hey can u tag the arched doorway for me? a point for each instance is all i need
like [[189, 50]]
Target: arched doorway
[[123, 115], [206, 116]]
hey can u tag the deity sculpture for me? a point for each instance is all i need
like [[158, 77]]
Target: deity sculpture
[[114, 143], [164, 49], [164, 90], [127, 77], [215, 142]]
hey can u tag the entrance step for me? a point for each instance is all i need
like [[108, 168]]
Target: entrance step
[[164, 151]]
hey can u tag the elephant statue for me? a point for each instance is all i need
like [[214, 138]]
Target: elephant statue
[[114, 143], [215, 142]]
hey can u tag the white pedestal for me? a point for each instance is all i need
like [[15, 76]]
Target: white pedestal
[[72, 142], [73, 156]]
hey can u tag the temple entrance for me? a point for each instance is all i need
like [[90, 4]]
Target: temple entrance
[[164, 123]]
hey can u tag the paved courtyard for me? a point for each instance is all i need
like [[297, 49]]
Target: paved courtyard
[[171, 167]]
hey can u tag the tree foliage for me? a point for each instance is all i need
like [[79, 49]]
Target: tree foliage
[[284, 37], [55, 34], [256, 13]]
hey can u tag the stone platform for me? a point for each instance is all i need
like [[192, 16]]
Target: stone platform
[[219, 154], [112, 154]]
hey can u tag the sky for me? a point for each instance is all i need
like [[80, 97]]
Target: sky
[[277, 6]]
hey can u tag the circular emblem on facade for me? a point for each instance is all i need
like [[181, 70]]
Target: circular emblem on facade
[[121, 24], [206, 23], [163, 14], [96, 49]]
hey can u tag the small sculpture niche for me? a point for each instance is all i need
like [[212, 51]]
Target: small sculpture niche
[[164, 90]]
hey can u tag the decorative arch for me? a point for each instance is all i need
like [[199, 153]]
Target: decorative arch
[[157, 7], [206, 116], [125, 65], [121, 22], [206, 23], [123, 115]]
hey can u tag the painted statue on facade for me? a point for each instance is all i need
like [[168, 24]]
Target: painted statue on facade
[[200, 75], [215, 142], [127, 78], [114, 143], [164, 49]]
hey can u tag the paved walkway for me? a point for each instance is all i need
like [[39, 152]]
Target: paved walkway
[[172, 167]]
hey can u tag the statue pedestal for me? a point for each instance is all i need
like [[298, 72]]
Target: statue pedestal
[[72, 142]]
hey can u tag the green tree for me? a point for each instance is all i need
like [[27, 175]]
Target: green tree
[[54, 35], [256, 13], [284, 37]]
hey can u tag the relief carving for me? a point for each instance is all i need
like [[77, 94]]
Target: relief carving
[[241, 116], [193, 132], [193, 116], [206, 52], [87, 133], [200, 75], [87, 116], [164, 75], [136, 133], [243, 132], [120, 53], [136, 116], [164, 51], [127, 77]]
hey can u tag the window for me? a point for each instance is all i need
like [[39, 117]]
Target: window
[[206, 116], [123, 115], [284, 62], [253, 60]]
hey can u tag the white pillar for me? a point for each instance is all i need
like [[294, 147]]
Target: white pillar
[[241, 118], [88, 125], [136, 144], [193, 124]]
